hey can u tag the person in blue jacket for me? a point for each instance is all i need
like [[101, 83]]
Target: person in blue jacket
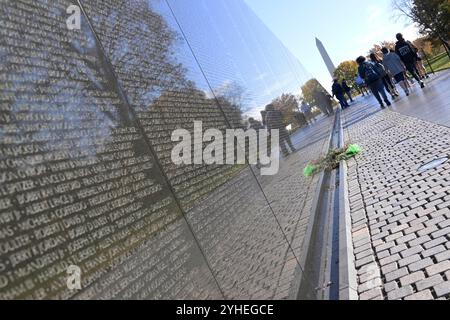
[[368, 71]]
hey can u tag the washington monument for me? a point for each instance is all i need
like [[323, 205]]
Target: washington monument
[[326, 58]]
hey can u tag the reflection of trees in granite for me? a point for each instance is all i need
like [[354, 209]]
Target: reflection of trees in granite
[[235, 99], [143, 49], [83, 186], [288, 105], [179, 110], [309, 90]]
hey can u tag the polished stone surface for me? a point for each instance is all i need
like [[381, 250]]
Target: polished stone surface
[[431, 103]]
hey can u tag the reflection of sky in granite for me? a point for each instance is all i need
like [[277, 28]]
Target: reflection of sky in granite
[[232, 45]]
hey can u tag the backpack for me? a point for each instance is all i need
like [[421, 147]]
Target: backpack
[[380, 69], [371, 74], [407, 51]]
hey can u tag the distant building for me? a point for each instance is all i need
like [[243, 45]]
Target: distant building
[[326, 58]]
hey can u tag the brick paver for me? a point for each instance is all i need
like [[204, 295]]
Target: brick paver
[[405, 211]]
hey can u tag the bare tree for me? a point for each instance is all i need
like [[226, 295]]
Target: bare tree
[[235, 94], [432, 17], [288, 105]]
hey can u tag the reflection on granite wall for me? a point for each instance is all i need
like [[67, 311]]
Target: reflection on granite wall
[[80, 185], [86, 177]]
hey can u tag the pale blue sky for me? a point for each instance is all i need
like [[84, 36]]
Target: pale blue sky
[[347, 28]]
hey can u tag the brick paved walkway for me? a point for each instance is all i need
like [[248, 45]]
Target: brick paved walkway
[[400, 215]]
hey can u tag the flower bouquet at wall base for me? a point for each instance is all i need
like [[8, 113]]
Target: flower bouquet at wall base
[[332, 159]]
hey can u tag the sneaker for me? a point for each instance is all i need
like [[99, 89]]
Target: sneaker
[[388, 103], [407, 94], [422, 85], [382, 106]]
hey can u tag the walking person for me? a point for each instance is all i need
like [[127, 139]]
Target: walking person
[[328, 103], [347, 90], [395, 66], [338, 92], [367, 71], [420, 67], [324, 102], [407, 52], [305, 108], [274, 121], [385, 77], [257, 126]]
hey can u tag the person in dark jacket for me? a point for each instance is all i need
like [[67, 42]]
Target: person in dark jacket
[[408, 54], [274, 121], [347, 89], [338, 92], [386, 77], [367, 71]]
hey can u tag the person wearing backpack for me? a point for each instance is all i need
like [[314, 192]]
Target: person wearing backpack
[[367, 71], [385, 76], [408, 53]]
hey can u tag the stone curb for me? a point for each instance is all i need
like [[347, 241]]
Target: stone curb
[[306, 246], [348, 284], [348, 280]]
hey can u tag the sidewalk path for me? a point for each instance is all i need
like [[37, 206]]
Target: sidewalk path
[[400, 213]]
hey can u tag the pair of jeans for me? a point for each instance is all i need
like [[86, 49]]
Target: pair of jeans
[[342, 101], [349, 94], [390, 87], [285, 142], [378, 91]]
